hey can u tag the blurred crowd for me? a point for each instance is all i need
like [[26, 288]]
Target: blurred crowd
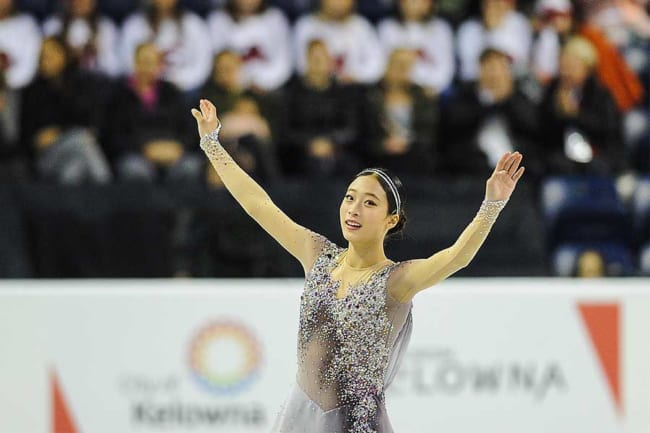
[[324, 87], [98, 92]]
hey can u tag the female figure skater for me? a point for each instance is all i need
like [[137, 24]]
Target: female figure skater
[[355, 312]]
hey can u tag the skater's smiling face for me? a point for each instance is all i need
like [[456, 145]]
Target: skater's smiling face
[[366, 212]]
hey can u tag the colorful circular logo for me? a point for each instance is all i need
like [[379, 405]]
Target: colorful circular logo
[[225, 357]]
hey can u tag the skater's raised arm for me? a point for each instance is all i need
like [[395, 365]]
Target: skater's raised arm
[[300, 242], [416, 275]]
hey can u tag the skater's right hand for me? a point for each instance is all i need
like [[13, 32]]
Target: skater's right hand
[[206, 119]]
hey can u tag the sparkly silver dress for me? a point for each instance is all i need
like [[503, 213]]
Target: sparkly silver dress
[[349, 350]]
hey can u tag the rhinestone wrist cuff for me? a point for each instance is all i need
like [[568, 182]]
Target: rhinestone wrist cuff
[[210, 142], [489, 210]]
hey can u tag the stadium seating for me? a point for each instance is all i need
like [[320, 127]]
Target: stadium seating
[[617, 258], [644, 260], [118, 9], [641, 211], [39, 8], [583, 209]]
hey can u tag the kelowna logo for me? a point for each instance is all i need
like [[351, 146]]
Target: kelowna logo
[[225, 357], [442, 372]]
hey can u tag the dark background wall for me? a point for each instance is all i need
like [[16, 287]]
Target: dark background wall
[[131, 230]]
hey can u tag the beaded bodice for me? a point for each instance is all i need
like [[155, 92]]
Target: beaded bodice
[[345, 344]]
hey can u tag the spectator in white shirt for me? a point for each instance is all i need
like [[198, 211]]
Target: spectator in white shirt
[[20, 43], [181, 35], [349, 37], [261, 35], [430, 37], [556, 20], [91, 37], [500, 26]]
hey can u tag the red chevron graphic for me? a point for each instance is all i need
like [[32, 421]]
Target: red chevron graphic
[[62, 421], [603, 325]]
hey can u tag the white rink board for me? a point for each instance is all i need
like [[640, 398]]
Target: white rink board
[[487, 355]]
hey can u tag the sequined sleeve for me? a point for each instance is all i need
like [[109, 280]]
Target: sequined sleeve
[[324, 251], [299, 241], [416, 275]]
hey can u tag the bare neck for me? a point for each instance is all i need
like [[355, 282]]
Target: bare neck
[[365, 255]]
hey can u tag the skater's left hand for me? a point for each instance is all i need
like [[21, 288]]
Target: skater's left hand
[[505, 177]]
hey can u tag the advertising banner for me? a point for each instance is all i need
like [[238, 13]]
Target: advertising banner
[[493, 355]]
